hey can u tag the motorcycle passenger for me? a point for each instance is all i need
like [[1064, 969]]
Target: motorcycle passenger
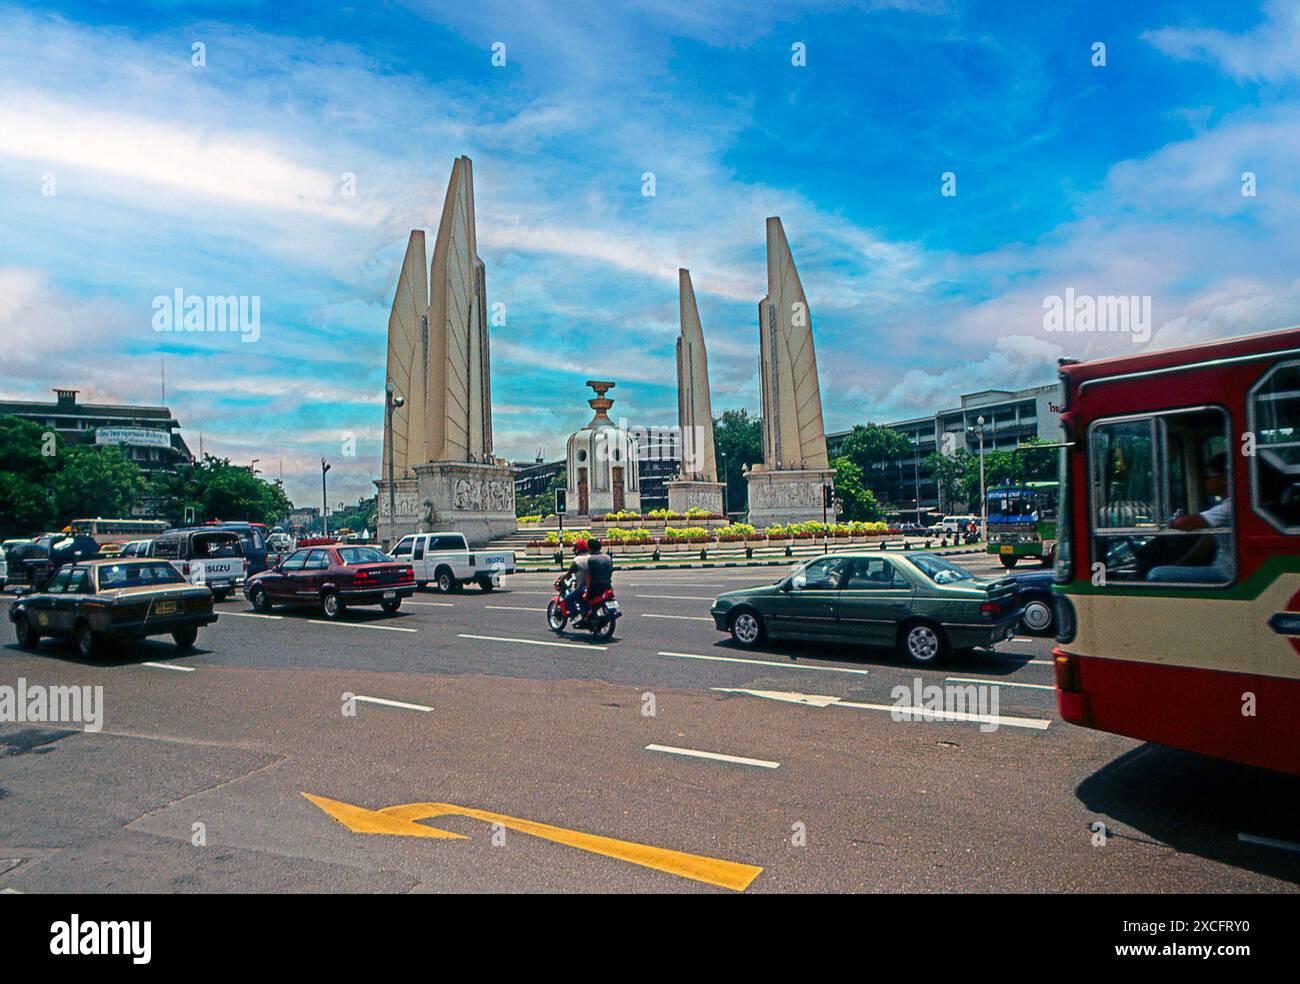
[[600, 577], [573, 601]]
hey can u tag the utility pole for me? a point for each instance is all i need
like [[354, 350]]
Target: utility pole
[[984, 505], [324, 500], [393, 403]]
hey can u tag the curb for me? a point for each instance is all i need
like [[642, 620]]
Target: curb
[[699, 565]]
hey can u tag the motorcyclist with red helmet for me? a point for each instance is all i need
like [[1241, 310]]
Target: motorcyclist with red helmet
[[574, 601]]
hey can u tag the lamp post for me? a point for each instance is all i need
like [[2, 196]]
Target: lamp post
[[324, 500], [984, 506], [725, 481], [393, 402]]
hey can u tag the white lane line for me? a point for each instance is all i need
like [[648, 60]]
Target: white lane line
[[274, 618], [1002, 683], [1023, 662], [169, 666], [361, 625], [433, 604], [906, 711], [768, 662], [391, 703], [1268, 842], [680, 618], [713, 756], [674, 597], [533, 642], [513, 608]]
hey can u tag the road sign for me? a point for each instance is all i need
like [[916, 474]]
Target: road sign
[[403, 821]]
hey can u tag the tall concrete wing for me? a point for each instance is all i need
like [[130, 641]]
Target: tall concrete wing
[[408, 358], [459, 409], [694, 409], [793, 434]]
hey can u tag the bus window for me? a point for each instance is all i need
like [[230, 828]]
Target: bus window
[[1160, 502], [1275, 421]]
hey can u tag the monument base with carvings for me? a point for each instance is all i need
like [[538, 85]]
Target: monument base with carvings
[[406, 502], [684, 494], [465, 497], [786, 496]]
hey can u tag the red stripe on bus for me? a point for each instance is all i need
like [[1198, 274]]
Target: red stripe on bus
[[1206, 711]]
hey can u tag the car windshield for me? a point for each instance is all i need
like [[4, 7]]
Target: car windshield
[[363, 555], [940, 571], [134, 575], [217, 545]]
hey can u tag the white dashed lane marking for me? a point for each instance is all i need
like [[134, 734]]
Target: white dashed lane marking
[[714, 756]]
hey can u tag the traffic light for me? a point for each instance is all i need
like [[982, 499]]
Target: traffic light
[[828, 496], [561, 501], [189, 515]]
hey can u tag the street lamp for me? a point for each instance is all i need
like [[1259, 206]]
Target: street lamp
[[393, 402], [324, 500], [252, 465], [725, 481], [984, 506]]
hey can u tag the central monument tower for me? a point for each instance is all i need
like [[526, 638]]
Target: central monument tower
[[696, 485], [439, 441], [787, 486]]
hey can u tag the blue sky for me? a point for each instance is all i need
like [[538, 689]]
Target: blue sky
[[226, 178]]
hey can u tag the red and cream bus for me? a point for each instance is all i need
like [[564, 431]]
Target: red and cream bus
[[1178, 557]]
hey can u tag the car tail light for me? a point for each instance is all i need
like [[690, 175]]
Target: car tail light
[[991, 608], [408, 574], [1067, 672], [363, 575]]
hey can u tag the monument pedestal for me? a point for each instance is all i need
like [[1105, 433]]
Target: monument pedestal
[[406, 502], [684, 494], [477, 500], [793, 496]]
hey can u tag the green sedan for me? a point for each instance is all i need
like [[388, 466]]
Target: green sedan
[[919, 603]]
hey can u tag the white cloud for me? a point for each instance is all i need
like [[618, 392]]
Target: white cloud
[[1268, 52]]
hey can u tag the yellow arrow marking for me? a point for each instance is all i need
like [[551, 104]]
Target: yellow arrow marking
[[401, 820]]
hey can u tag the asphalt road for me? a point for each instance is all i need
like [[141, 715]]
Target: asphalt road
[[199, 778]]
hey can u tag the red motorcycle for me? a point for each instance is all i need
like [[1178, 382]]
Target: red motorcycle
[[602, 612]]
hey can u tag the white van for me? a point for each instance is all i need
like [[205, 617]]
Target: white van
[[445, 560], [958, 524], [204, 555]]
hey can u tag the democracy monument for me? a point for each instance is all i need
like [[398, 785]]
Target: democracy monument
[[697, 485], [439, 471], [438, 445], [787, 486]]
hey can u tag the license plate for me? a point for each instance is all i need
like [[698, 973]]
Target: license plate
[[165, 608], [1008, 549], [389, 595], [612, 605]]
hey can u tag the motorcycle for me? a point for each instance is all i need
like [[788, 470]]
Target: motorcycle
[[602, 612]]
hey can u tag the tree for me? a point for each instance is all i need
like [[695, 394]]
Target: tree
[[543, 503], [859, 501], [949, 475], [216, 489], [96, 481], [739, 435], [872, 444], [28, 458]]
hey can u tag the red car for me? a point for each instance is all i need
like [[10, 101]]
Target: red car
[[332, 577]]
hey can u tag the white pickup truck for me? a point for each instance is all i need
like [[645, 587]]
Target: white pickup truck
[[446, 561]]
